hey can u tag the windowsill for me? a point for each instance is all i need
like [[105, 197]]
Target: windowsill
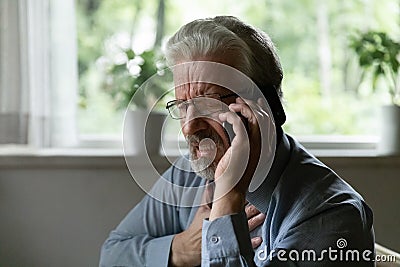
[[108, 153], [19, 157]]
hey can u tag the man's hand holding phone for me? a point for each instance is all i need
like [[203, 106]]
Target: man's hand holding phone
[[236, 168]]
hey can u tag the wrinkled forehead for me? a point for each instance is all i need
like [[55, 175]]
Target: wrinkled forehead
[[205, 73]]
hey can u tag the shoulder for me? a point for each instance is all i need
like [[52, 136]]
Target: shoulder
[[313, 183], [319, 206], [179, 185], [180, 173]]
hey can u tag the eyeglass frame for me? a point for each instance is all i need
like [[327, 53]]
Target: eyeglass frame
[[174, 102]]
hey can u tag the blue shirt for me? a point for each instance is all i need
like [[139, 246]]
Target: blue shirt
[[313, 218]]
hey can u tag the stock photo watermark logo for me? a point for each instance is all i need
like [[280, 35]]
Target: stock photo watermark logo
[[338, 253], [201, 73]]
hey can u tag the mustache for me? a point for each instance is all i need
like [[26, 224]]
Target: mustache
[[195, 139]]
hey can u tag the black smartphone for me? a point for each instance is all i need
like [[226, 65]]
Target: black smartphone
[[229, 127], [229, 131]]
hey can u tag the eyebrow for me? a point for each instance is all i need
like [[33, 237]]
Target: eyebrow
[[212, 88]]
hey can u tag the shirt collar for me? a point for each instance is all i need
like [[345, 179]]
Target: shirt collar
[[261, 197]]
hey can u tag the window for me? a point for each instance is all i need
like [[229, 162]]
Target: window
[[323, 90]]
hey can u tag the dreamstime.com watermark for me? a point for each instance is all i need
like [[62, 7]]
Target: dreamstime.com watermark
[[340, 253]]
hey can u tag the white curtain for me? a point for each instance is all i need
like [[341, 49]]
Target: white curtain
[[38, 73]]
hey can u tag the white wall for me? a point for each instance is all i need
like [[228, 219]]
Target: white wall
[[57, 211]]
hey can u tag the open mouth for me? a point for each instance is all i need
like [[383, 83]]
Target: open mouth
[[206, 148]]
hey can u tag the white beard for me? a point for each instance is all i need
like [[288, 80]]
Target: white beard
[[204, 168]]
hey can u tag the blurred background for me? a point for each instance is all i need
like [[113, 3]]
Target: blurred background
[[68, 70], [323, 88]]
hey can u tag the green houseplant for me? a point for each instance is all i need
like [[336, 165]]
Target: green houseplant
[[123, 78], [133, 81], [134, 84], [379, 55]]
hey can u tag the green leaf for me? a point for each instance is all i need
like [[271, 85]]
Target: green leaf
[[118, 69], [376, 53], [130, 54]]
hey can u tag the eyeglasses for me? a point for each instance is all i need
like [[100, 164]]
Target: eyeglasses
[[205, 105]]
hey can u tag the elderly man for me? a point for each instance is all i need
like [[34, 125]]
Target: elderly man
[[265, 201]]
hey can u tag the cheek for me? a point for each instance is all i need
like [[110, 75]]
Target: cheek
[[219, 130], [182, 122]]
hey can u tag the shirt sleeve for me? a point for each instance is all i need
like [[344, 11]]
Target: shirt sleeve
[[226, 242], [144, 236]]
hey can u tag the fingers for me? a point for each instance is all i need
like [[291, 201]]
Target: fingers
[[254, 216], [261, 106], [262, 103], [254, 112], [256, 241], [251, 211], [245, 110], [256, 221], [237, 124]]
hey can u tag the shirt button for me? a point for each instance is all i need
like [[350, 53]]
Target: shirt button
[[214, 239]]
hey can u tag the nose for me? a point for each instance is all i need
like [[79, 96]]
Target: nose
[[193, 122]]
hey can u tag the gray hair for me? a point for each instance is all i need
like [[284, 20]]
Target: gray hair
[[216, 36]]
